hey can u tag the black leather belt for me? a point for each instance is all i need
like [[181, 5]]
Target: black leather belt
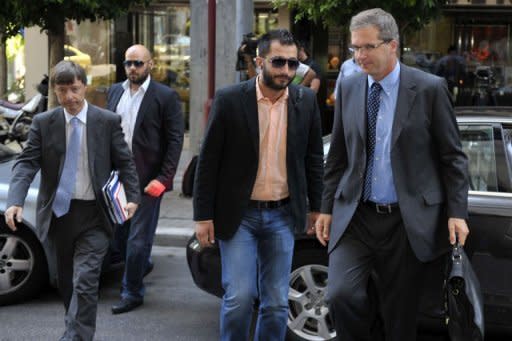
[[268, 204], [382, 208]]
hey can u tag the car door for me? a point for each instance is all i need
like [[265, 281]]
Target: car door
[[489, 150]]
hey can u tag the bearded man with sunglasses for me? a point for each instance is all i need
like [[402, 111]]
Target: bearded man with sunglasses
[[260, 161], [153, 127], [396, 185]]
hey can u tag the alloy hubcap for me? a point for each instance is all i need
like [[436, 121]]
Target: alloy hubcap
[[16, 263], [308, 314]]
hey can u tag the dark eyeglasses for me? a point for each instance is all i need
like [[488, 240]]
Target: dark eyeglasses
[[367, 47], [136, 63], [279, 62]]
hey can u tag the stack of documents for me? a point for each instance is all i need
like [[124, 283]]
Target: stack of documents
[[115, 198]]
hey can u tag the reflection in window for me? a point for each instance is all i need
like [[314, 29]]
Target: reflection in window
[[88, 44], [478, 144], [167, 35]]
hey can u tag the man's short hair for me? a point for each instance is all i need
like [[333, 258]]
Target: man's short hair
[[66, 71], [284, 37], [378, 18]]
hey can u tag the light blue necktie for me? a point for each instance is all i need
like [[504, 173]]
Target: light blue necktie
[[373, 110], [68, 176]]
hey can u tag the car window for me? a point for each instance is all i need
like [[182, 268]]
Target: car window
[[507, 141], [478, 144]]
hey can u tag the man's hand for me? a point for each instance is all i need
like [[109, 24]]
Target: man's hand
[[155, 188], [205, 233], [312, 218], [130, 209], [323, 227], [13, 212], [457, 227]]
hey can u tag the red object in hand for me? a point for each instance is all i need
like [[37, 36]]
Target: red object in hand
[[155, 188]]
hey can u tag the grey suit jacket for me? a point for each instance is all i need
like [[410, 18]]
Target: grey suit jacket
[[46, 150], [429, 167], [229, 157]]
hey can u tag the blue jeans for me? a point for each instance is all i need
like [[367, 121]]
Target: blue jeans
[[256, 264], [134, 239]]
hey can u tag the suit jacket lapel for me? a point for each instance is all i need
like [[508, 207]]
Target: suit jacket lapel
[[250, 106], [294, 98], [149, 96], [116, 97], [360, 111], [93, 137], [406, 95], [57, 127]]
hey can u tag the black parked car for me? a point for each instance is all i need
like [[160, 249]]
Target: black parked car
[[486, 135]]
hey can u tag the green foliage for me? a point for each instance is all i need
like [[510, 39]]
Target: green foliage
[[51, 14], [410, 14], [9, 26]]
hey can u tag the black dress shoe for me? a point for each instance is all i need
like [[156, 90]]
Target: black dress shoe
[[125, 305]]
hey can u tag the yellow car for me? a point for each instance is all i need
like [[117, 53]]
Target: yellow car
[[75, 55]]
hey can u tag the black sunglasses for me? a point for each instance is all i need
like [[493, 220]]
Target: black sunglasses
[[279, 62], [136, 63]]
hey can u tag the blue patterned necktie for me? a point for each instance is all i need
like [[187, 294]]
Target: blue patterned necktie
[[68, 176], [373, 110]]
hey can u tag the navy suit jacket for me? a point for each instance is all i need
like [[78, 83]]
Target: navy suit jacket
[[158, 134], [228, 162]]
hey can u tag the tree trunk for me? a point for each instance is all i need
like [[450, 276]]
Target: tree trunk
[[3, 69], [56, 47]]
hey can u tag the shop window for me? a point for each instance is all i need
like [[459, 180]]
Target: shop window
[[89, 44], [473, 56], [167, 35]]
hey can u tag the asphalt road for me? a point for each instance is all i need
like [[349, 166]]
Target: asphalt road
[[174, 309]]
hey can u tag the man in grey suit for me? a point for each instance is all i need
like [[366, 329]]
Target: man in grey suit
[[75, 146], [395, 182]]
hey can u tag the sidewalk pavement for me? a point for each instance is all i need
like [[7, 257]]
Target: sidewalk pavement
[[175, 225]]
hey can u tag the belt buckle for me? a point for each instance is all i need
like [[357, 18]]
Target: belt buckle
[[383, 209]]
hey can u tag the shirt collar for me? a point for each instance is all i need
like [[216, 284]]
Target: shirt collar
[[82, 115], [144, 86], [388, 82], [260, 96]]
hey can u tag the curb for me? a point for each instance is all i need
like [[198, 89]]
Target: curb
[[172, 236]]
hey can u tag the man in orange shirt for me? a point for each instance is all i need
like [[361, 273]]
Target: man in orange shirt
[[260, 162]]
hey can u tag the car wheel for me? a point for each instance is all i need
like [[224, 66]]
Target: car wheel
[[308, 315], [23, 267]]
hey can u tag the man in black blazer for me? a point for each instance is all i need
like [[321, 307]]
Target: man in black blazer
[[396, 184], [260, 163], [75, 146], [153, 126]]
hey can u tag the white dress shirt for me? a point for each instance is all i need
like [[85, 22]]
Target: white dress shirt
[[128, 108]]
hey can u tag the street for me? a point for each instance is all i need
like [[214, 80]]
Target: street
[[174, 309]]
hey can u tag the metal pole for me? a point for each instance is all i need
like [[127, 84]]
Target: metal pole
[[211, 54]]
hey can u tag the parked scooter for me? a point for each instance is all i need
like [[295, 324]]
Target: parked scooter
[[16, 118]]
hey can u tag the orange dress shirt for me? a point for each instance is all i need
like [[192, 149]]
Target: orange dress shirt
[[271, 179]]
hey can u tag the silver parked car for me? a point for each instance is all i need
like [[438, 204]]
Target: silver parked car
[[486, 135]]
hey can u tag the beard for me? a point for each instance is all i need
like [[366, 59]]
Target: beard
[[136, 79], [270, 80]]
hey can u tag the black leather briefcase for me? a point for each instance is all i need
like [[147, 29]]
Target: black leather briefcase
[[463, 299]]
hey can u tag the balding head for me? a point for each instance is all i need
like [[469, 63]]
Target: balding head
[[137, 65], [139, 50]]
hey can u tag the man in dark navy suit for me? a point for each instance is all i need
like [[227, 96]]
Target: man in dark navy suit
[[153, 126]]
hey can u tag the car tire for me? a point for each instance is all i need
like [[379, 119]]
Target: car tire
[[308, 315], [23, 266]]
